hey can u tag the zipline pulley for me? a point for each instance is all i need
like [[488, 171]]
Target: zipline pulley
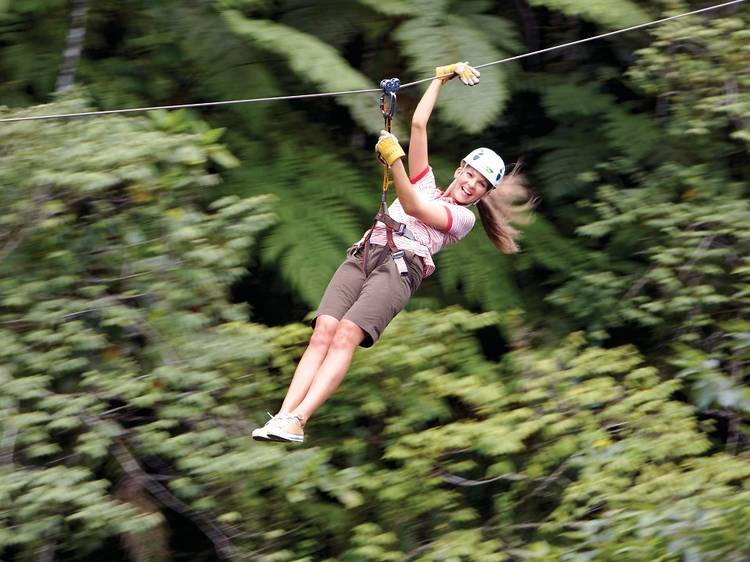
[[388, 98]]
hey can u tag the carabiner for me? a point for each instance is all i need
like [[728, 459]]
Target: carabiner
[[390, 87]]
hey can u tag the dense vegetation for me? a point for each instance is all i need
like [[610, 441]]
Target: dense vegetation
[[586, 399]]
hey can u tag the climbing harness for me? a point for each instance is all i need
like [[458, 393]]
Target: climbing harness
[[388, 108]]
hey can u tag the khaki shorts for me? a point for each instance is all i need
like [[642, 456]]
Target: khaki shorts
[[372, 301]]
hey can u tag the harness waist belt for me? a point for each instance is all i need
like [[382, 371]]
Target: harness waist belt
[[398, 227]]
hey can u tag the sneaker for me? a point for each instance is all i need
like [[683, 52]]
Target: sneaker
[[287, 429], [261, 433]]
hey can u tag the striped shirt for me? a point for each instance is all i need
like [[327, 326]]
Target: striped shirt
[[429, 240]]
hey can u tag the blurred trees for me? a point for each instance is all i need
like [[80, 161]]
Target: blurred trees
[[595, 404]]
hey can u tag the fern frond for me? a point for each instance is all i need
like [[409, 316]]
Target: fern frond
[[543, 245], [501, 32], [333, 22], [609, 14], [391, 7], [479, 273], [591, 126], [312, 60], [429, 41], [571, 96], [229, 66], [321, 202], [635, 135], [566, 153]]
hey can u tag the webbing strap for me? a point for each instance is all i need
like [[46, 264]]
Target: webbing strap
[[388, 109], [397, 227]]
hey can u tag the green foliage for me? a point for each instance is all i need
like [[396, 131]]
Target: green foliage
[[312, 60], [129, 385], [671, 256], [320, 202], [115, 257], [691, 272], [582, 443], [31, 43], [702, 81], [592, 126], [591, 432], [621, 14], [392, 7], [477, 272], [437, 37]]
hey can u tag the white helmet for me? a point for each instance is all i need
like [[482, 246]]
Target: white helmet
[[488, 163]]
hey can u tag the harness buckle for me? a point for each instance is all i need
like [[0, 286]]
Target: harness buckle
[[398, 259], [355, 250]]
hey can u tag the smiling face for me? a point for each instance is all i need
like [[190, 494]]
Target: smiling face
[[468, 185]]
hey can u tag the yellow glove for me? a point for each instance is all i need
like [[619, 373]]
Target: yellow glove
[[467, 74], [388, 148]]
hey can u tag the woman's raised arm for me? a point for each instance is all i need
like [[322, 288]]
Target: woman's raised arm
[[418, 154]]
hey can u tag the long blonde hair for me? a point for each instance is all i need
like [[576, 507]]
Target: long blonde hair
[[499, 208]]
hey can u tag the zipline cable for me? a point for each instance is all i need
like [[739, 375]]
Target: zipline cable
[[587, 39], [366, 90], [187, 105]]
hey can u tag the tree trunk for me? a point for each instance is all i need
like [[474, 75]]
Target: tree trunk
[[73, 46]]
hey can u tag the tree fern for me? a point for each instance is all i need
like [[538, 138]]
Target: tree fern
[[591, 127], [391, 7], [321, 200], [480, 274], [623, 13], [575, 100], [226, 67], [434, 38], [312, 60], [545, 247], [563, 156], [338, 24]]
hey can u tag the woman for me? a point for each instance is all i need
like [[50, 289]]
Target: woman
[[374, 284]]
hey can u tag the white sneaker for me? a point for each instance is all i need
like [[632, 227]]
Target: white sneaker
[[288, 429], [261, 433]]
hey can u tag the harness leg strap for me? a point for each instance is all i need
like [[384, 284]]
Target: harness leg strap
[[398, 259]]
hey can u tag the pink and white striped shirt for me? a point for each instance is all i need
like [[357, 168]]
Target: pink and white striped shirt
[[429, 240]]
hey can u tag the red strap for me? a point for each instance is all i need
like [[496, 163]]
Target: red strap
[[366, 248], [389, 236]]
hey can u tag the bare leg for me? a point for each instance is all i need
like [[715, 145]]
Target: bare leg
[[330, 374], [312, 358]]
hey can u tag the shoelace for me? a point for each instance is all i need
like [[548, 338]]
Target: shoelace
[[273, 419], [281, 417]]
